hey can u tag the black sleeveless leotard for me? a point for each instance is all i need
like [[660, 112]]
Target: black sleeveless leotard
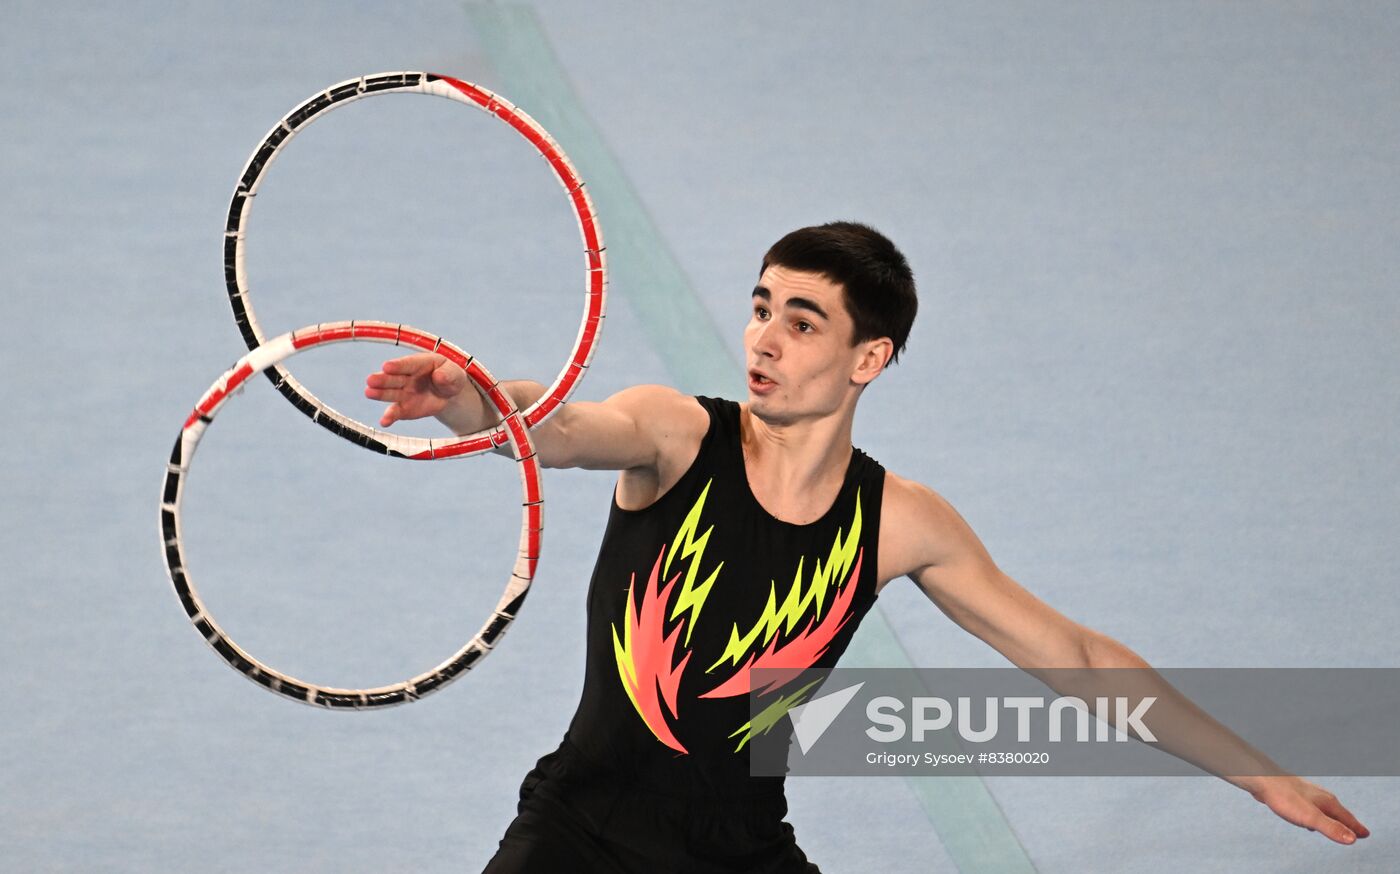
[[687, 595]]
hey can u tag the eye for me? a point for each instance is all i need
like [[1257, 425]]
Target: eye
[[805, 327], [760, 313]]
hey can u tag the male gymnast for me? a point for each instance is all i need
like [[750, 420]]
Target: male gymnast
[[717, 506]]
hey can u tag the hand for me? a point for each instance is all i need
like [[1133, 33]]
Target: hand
[[415, 386], [1309, 806]]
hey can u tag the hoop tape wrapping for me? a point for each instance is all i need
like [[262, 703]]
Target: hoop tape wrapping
[[595, 260], [266, 356]]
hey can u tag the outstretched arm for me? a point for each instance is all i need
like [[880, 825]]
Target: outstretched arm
[[936, 548], [649, 432]]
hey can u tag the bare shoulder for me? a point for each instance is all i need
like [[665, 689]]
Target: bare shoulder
[[903, 496], [672, 425], [910, 504], [666, 415], [661, 403], [918, 528], [928, 541], [643, 427]]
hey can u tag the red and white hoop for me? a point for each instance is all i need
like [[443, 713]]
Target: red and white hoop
[[595, 261], [262, 359]]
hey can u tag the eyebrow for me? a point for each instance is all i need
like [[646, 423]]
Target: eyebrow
[[798, 303]]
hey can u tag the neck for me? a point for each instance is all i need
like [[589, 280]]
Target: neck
[[796, 469]]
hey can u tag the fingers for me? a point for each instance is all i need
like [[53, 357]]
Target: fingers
[[1335, 809], [399, 372], [1338, 832], [1315, 820], [414, 385], [379, 387], [448, 379], [392, 414], [1330, 816], [385, 381], [413, 365], [1312, 807]]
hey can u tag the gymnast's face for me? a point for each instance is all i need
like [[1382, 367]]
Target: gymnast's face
[[801, 362]]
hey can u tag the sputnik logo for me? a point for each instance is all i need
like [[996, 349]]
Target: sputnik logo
[[811, 720]]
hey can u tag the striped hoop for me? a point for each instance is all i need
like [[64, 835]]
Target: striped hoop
[[266, 356], [595, 262], [269, 355]]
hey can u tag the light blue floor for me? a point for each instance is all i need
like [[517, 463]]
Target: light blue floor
[[1155, 368]]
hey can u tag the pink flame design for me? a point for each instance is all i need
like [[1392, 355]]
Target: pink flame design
[[802, 651]]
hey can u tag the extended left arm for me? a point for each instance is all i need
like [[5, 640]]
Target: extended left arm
[[1188, 732], [936, 548]]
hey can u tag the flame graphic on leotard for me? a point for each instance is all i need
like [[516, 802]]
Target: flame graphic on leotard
[[797, 652], [646, 656], [646, 649], [691, 596]]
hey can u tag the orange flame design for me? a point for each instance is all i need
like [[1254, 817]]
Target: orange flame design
[[646, 656], [800, 652]]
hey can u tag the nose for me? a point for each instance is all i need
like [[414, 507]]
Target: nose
[[766, 340]]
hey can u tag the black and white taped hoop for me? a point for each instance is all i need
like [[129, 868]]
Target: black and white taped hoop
[[268, 355], [235, 276]]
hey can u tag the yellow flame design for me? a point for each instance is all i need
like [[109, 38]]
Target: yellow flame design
[[692, 597], [794, 606]]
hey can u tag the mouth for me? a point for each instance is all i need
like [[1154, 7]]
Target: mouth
[[760, 383]]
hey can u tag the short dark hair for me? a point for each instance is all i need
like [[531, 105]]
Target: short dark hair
[[878, 284]]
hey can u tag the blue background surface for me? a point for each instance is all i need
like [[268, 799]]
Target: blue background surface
[[1155, 368]]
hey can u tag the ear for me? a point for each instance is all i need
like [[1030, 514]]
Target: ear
[[872, 356]]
